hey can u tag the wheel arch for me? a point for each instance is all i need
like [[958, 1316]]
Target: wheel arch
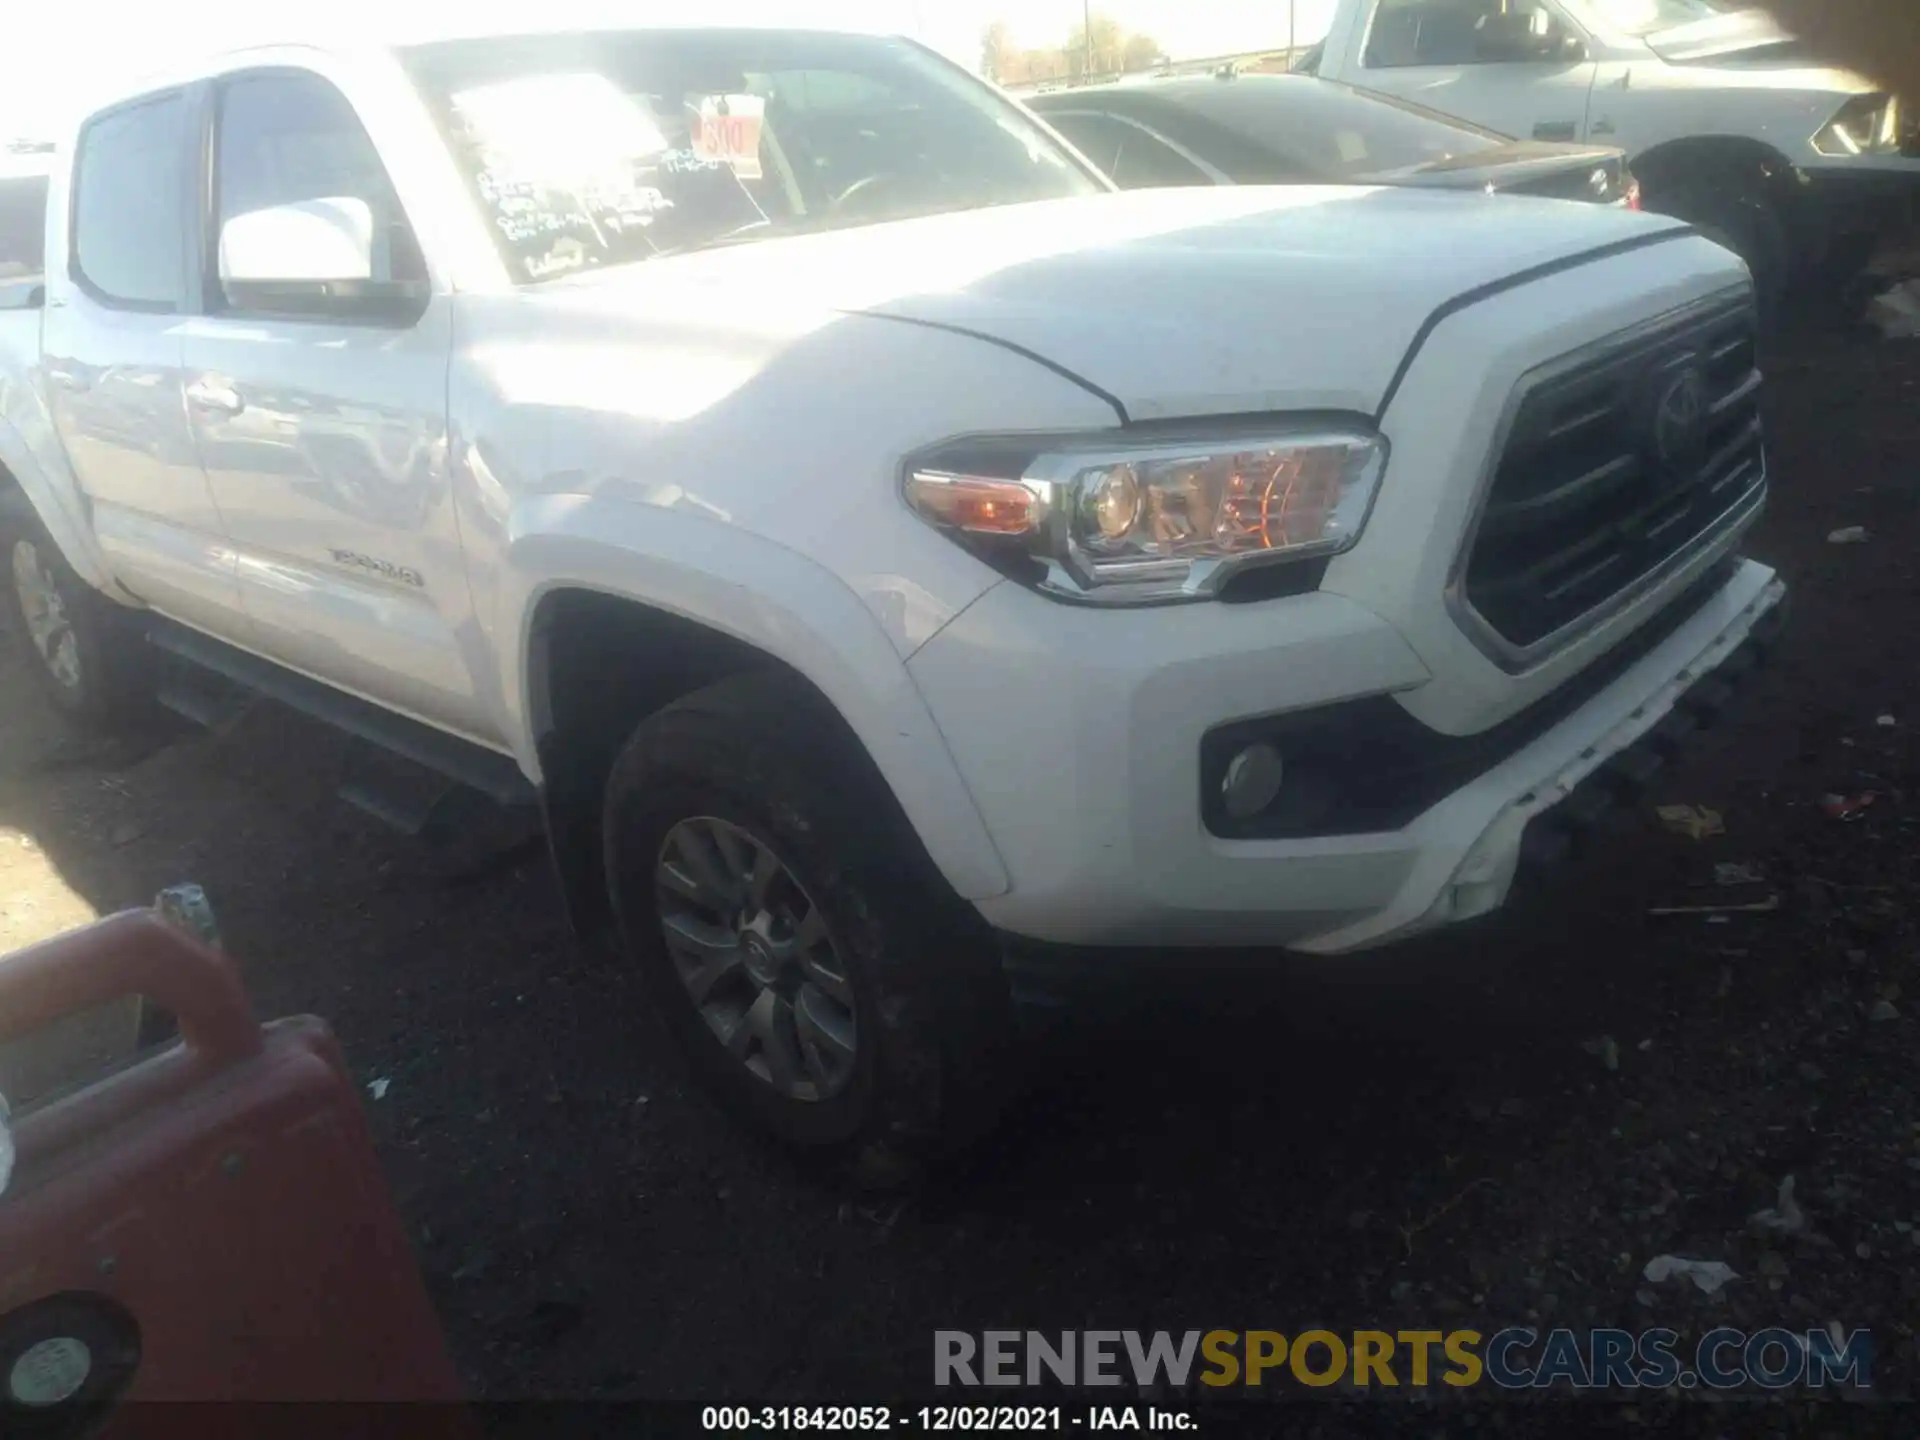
[[1742, 185], [597, 656], [24, 481]]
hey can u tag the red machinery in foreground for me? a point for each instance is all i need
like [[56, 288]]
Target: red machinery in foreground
[[207, 1223]]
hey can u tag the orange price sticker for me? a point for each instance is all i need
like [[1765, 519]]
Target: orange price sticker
[[727, 128]]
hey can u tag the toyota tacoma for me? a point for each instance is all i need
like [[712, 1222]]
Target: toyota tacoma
[[875, 545]]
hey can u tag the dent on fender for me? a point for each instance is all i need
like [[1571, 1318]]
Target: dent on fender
[[743, 441]]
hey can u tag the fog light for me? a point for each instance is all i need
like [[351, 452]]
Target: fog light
[[1252, 781]]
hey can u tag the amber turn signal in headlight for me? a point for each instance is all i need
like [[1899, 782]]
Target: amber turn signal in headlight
[[974, 506]]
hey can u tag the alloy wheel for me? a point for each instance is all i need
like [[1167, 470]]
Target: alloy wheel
[[45, 608], [757, 959]]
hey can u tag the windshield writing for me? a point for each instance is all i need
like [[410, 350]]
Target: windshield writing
[[595, 150]]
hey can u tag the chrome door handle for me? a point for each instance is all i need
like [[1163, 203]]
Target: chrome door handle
[[212, 395]]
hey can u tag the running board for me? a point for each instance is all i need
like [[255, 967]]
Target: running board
[[492, 774], [205, 699], [405, 795]]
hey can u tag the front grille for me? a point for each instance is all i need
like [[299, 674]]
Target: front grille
[[1601, 481]]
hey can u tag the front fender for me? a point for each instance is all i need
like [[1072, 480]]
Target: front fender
[[57, 501], [766, 596]]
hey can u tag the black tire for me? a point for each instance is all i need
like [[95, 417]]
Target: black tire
[[105, 677], [931, 1060], [1745, 223]]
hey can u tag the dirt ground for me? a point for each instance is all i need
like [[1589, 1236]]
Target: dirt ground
[[1419, 1138]]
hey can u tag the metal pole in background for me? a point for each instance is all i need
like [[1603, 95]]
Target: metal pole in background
[[1292, 7], [1086, 33]]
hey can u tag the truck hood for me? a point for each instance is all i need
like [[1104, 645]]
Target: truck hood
[[1739, 36], [1169, 303]]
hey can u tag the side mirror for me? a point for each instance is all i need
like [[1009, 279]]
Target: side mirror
[[322, 259], [308, 241]]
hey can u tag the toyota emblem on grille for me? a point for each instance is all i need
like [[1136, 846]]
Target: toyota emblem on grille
[[1679, 419]]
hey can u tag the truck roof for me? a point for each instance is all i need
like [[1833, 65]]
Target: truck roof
[[410, 30], [404, 30]]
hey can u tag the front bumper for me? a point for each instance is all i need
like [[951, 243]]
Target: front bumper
[[1616, 756], [1087, 780]]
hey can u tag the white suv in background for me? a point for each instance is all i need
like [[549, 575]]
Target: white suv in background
[[1725, 119]]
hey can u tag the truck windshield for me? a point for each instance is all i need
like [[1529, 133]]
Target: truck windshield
[[1643, 17], [599, 149]]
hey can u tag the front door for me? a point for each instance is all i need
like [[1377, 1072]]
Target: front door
[[112, 360], [323, 432], [1459, 57]]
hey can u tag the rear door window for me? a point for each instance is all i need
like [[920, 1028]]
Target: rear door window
[[1427, 32]]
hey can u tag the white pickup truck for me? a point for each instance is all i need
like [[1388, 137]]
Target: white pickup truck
[[1725, 119], [880, 547]]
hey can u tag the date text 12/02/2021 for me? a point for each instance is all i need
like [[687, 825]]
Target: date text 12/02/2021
[[942, 1419]]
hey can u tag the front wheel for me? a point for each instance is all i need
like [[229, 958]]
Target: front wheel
[[817, 974], [85, 652]]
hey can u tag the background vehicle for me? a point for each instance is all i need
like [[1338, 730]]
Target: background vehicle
[[1726, 122], [23, 214], [1293, 129], [874, 543]]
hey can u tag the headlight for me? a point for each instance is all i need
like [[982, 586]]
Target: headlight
[[1866, 125], [1158, 521]]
